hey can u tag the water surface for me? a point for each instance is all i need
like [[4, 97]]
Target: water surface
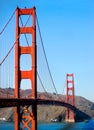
[[88, 125]]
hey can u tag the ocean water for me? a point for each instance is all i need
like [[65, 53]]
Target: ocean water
[[88, 125]]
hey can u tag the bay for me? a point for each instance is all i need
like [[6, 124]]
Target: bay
[[88, 125]]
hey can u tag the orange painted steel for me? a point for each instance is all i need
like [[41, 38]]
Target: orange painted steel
[[70, 97], [29, 120]]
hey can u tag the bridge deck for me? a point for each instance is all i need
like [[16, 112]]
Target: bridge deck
[[12, 102]]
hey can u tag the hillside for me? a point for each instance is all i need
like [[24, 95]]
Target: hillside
[[46, 113]]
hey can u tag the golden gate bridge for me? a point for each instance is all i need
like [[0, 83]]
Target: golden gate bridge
[[14, 69]]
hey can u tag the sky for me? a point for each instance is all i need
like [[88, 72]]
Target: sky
[[67, 28]]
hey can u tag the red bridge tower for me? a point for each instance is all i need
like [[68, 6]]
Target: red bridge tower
[[70, 97], [29, 119]]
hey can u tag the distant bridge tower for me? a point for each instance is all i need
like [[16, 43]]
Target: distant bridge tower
[[70, 97], [29, 119]]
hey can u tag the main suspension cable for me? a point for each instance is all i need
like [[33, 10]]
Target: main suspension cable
[[7, 22], [41, 82], [12, 45], [7, 53], [45, 55]]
